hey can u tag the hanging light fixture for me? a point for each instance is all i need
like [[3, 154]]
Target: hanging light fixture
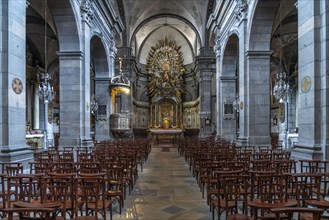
[[282, 87], [46, 90]]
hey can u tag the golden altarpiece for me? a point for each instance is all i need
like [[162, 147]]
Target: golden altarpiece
[[165, 85]]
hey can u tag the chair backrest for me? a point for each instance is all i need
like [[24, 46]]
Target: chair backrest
[[2, 194], [89, 194], [13, 170], [268, 186], [306, 187], [30, 213], [232, 188], [59, 187]]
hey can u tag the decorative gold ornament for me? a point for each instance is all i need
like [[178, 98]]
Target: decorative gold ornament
[[165, 68]]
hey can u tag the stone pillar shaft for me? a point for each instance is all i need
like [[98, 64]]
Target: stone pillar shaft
[[258, 92]]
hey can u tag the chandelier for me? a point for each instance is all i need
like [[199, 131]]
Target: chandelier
[[46, 90], [281, 88]]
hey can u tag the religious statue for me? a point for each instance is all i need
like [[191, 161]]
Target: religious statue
[[166, 122]]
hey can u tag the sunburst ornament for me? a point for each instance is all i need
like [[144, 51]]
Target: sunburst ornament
[[165, 70]]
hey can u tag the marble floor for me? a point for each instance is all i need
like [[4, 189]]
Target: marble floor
[[165, 189]]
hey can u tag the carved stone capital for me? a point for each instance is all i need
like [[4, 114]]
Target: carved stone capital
[[217, 49], [112, 48], [87, 12], [242, 10]]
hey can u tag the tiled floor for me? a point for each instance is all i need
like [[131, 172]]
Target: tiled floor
[[165, 190]]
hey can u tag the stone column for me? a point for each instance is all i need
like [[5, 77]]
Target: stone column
[[258, 91], [72, 106], [312, 80], [205, 61], [86, 17], [13, 87], [241, 16], [219, 109]]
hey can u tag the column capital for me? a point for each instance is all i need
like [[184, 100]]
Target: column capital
[[241, 11], [87, 12]]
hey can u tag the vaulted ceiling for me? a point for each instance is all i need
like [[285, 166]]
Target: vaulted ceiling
[[148, 21]]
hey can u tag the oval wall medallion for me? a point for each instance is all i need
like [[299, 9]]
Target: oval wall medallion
[[17, 85], [306, 84]]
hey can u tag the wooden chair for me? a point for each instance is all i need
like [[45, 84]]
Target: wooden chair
[[30, 213], [316, 213], [268, 191], [116, 185], [231, 191], [90, 197], [89, 167], [59, 187]]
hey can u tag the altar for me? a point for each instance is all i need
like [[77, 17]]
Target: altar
[[172, 134]]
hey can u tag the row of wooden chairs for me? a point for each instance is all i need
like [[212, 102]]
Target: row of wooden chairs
[[110, 166], [258, 182], [72, 196]]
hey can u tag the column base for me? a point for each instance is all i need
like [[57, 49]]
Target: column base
[[21, 154], [306, 153], [241, 141]]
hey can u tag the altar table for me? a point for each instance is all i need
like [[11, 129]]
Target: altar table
[[174, 134]]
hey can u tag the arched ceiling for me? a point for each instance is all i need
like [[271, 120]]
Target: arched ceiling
[[148, 21]]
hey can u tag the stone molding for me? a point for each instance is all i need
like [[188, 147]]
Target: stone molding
[[67, 55]]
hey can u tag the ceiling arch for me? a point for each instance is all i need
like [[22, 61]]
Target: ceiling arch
[[175, 29]]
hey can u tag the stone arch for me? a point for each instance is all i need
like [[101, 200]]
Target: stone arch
[[230, 56], [64, 14], [99, 62], [229, 84], [260, 27]]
